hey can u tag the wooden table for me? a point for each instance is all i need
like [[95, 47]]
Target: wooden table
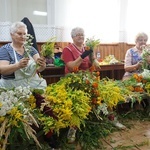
[[114, 71], [53, 74]]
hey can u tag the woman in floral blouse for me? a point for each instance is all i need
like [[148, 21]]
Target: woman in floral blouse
[[133, 59]]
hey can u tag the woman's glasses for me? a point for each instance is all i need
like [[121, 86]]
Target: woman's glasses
[[77, 35]]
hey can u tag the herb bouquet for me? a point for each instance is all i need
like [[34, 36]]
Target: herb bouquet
[[91, 43], [146, 62], [47, 50]]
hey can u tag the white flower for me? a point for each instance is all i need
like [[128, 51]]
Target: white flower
[[23, 92], [9, 98], [28, 44], [2, 112], [102, 108]]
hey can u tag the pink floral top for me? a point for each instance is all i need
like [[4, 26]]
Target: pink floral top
[[132, 57]]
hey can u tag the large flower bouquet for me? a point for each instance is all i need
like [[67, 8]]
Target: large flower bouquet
[[16, 117], [78, 97], [64, 107]]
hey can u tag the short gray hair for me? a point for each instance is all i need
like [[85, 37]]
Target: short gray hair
[[16, 25], [76, 30], [141, 34]]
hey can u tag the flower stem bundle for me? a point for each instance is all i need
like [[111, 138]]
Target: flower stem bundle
[[91, 43]]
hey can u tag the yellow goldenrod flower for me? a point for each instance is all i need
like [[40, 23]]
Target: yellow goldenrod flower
[[2, 118], [32, 101], [1, 104]]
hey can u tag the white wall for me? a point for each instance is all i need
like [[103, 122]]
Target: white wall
[[15, 10]]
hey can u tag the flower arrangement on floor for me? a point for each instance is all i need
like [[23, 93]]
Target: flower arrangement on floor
[[77, 98], [16, 117], [139, 86]]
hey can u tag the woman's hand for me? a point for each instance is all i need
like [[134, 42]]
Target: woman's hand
[[139, 64], [23, 62], [96, 64], [41, 62]]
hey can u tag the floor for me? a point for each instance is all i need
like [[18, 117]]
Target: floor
[[135, 138]]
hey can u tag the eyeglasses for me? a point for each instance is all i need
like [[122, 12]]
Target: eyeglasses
[[142, 40], [77, 35]]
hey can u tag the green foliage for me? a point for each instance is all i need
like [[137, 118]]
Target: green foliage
[[92, 42], [38, 91], [145, 57], [91, 134], [18, 137], [47, 49]]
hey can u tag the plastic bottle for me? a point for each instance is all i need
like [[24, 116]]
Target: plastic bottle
[[98, 55]]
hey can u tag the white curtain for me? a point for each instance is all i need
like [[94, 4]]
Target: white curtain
[[99, 18], [109, 20], [137, 18]]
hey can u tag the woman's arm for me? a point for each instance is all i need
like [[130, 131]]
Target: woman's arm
[[128, 63], [69, 60], [133, 67], [76, 63], [6, 68]]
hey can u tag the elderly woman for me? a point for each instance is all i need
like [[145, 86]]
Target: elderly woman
[[18, 64], [133, 59], [75, 55]]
